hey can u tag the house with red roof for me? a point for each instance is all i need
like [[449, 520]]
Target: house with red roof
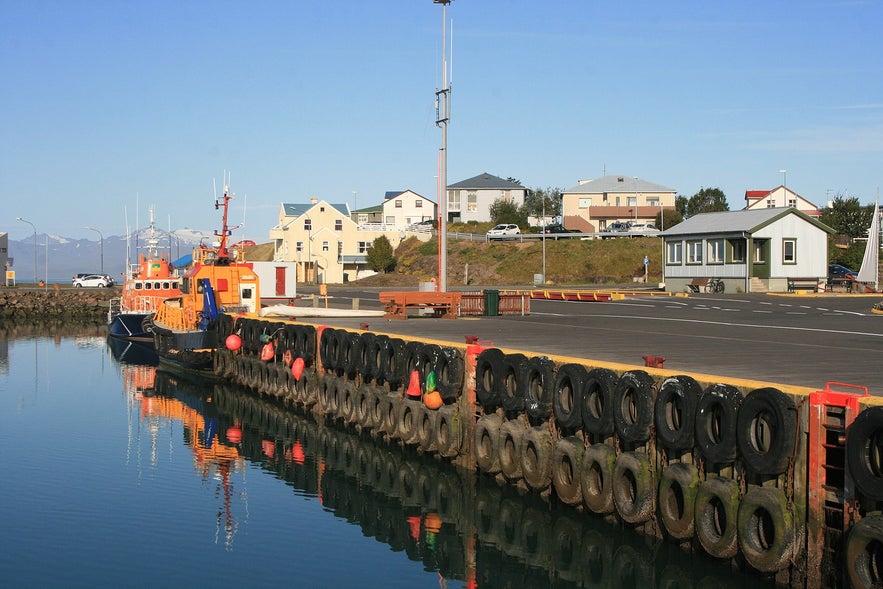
[[780, 197]]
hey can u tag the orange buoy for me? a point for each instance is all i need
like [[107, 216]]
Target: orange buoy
[[432, 522], [234, 434], [414, 385], [433, 400], [268, 351], [233, 342], [297, 452], [269, 448], [297, 368]]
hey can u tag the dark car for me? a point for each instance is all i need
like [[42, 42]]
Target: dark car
[[838, 274], [556, 230]]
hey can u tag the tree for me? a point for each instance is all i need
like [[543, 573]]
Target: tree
[[505, 211], [707, 200], [669, 220], [536, 198], [847, 217], [380, 256]]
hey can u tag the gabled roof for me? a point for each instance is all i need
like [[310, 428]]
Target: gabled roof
[[742, 221], [487, 182], [756, 194], [617, 183], [298, 209], [394, 193]]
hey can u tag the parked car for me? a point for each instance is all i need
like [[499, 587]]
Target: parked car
[[615, 229], [838, 274], [504, 231], [641, 229], [556, 230], [92, 280], [242, 244]]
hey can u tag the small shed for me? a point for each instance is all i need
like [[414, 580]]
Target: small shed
[[752, 250]]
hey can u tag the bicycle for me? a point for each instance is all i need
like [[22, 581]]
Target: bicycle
[[715, 285]]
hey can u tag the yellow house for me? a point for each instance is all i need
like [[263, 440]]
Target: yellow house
[[594, 204], [324, 241]]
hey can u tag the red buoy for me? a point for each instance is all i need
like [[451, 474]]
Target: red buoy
[[233, 342]]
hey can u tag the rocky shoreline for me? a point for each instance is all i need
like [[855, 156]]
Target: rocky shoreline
[[56, 303]]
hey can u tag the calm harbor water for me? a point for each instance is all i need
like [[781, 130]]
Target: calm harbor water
[[119, 474]]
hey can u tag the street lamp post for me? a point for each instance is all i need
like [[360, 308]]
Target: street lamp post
[[636, 199], [101, 245], [784, 174], [443, 115], [35, 245]]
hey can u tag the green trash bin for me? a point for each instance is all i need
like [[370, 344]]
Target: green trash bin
[[491, 303]]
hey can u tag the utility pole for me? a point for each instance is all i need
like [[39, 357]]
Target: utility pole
[[442, 117]]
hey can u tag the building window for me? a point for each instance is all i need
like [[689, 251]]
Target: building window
[[338, 224], [792, 202], [585, 203], [339, 250], [324, 246], [390, 220], [653, 201], [308, 225], [789, 251], [363, 246], [454, 200], [737, 247], [632, 201], [694, 252], [715, 251], [758, 251], [471, 202], [675, 252], [299, 247], [771, 204], [398, 203], [418, 204]]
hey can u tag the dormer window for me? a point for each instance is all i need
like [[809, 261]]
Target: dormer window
[[308, 225]]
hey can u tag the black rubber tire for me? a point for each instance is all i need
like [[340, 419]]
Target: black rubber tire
[[367, 354], [393, 366], [716, 516], [510, 382], [567, 393], [716, 417], [347, 353], [408, 419], [537, 383], [365, 406], [634, 488], [488, 371], [863, 547], [378, 369], [675, 413], [633, 406], [486, 442], [427, 423], [449, 432], [766, 431], [596, 478], [391, 410], [328, 349], [566, 468], [536, 458], [597, 402], [675, 507], [864, 439], [511, 437], [767, 532], [449, 367], [411, 360]]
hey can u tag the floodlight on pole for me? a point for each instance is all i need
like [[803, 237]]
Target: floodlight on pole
[[442, 117], [35, 244], [101, 245]]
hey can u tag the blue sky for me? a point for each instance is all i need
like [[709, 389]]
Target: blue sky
[[111, 106]]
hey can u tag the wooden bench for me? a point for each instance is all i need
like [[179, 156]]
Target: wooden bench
[[442, 304], [698, 284], [808, 283]]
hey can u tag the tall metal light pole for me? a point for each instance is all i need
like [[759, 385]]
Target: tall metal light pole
[[442, 117], [101, 245], [636, 199], [784, 174], [35, 245]]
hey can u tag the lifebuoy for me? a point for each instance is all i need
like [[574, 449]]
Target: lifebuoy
[[716, 514], [716, 417], [487, 443], [862, 552], [567, 396], [427, 422], [449, 432], [862, 451], [634, 490], [633, 406], [449, 370], [510, 382], [675, 411], [596, 478], [511, 434], [488, 370], [393, 368], [536, 458], [539, 377], [766, 431], [566, 469], [597, 402], [676, 504], [767, 532]]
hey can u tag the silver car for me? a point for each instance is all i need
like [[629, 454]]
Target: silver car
[[504, 231], [91, 280]]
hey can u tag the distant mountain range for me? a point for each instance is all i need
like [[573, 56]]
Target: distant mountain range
[[67, 257]]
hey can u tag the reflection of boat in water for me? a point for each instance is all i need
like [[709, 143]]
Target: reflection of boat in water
[[165, 399], [185, 327], [145, 286], [132, 351]]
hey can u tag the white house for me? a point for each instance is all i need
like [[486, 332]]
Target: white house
[[752, 250], [404, 208], [780, 197], [471, 199], [278, 279]]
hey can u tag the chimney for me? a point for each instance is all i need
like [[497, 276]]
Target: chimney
[[314, 200]]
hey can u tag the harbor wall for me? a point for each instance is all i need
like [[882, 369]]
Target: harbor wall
[[55, 301], [782, 481]]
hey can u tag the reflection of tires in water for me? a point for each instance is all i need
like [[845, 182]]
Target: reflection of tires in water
[[863, 548]]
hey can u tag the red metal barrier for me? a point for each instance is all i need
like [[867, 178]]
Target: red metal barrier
[[653, 361]]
